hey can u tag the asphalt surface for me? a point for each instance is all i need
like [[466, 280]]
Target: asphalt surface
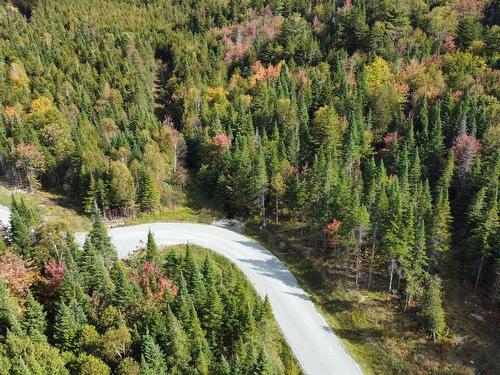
[[315, 346]]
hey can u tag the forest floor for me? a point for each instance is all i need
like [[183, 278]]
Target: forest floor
[[380, 336]]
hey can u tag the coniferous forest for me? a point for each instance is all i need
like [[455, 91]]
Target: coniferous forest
[[369, 130]]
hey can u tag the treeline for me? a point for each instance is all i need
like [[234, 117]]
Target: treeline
[[67, 310]]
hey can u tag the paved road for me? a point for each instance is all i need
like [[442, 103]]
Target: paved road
[[317, 349]]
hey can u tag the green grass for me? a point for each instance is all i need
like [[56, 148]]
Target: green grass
[[378, 334], [176, 214], [53, 207]]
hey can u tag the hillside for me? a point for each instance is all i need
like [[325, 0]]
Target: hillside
[[361, 138]]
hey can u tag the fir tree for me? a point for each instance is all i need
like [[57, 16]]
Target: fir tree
[[262, 365], [9, 312], [177, 345], [20, 231], [34, 319], [152, 252], [153, 356], [440, 235], [65, 327], [433, 312], [123, 292], [147, 194], [100, 239]]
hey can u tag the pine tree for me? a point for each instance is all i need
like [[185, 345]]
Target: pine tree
[[65, 327], [153, 355], [433, 312], [152, 252], [100, 239], [123, 292], [34, 319], [147, 194]]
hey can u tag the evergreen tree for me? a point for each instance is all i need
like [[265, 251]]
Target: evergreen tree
[[177, 345], [9, 312], [147, 194], [20, 231], [262, 365], [123, 293], [65, 327], [34, 319], [100, 239], [151, 248], [440, 235], [436, 145], [432, 309], [153, 356]]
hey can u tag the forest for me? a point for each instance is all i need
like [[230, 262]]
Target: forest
[[370, 129]]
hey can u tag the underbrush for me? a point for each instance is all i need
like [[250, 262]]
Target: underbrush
[[372, 325]]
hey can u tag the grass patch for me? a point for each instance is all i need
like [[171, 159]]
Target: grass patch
[[53, 207], [176, 214]]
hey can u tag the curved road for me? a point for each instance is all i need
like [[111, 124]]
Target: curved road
[[315, 346]]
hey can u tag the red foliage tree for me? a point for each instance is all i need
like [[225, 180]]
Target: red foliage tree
[[16, 273], [55, 273], [331, 230], [153, 283]]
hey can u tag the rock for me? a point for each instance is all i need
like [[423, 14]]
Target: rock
[[478, 317]]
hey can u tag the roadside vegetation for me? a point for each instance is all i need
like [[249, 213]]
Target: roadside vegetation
[[372, 324]]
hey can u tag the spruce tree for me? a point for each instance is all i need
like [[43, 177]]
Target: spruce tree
[[100, 239], [152, 252], [65, 327], [34, 319], [433, 313]]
